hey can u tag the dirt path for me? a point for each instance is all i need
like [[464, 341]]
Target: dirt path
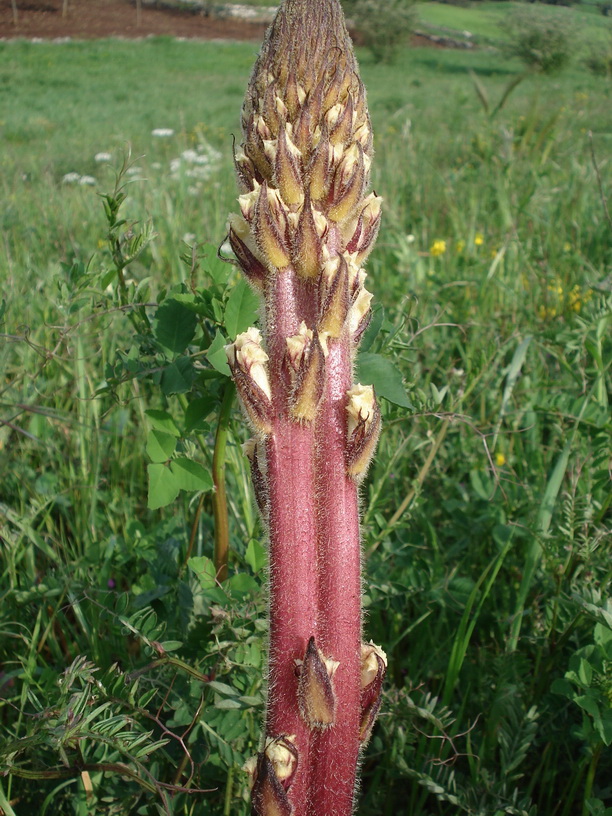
[[91, 19]]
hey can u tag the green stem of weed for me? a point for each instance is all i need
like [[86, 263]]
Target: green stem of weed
[[229, 787], [590, 778], [219, 497], [422, 474], [67, 773]]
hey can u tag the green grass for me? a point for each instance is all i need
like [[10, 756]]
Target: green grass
[[485, 20], [487, 512]]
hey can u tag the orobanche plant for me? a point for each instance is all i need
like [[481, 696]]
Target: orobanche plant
[[305, 229]]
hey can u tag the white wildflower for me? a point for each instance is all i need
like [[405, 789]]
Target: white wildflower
[[162, 133], [87, 181], [71, 178], [103, 157]]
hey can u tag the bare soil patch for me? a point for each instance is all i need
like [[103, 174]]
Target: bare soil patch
[[93, 19]]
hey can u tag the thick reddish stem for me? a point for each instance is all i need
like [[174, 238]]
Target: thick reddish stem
[[336, 749], [293, 542]]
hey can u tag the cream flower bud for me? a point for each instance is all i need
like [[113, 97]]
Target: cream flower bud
[[247, 202], [372, 657], [282, 753], [250, 356], [281, 108], [363, 429], [262, 129], [250, 768], [297, 345], [359, 309], [332, 115], [361, 406]]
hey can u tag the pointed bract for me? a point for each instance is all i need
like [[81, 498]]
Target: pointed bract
[[315, 689]]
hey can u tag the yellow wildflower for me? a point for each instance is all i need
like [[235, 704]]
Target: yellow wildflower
[[437, 248], [460, 246], [546, 312], [500, 459], [478, 239], [574, 299], [567, 247]]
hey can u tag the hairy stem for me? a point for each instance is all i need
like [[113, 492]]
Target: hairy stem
[[339, 600]]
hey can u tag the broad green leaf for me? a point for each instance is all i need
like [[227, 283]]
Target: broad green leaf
[[162, 421], [175, 325], [243, 584], [216, 354], [198, 410], [605, 729], [218, 270], [163, 488], [587, 703], [197, 306], [255, 555], [379, 371], [241, 309], [371, 333], [178, 377], [561, 686], [190, 475], [204, 570], [482, 484], [160, 446], [585, 672]]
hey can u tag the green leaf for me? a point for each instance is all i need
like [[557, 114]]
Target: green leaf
[[160, 446], [605, 729], [223, 688], [204, 570], [199, 306], [243, 584], [171, 645], [255, 555], [163, 488], [482, 484], [198, 410], [178, 377], [585, 672], [217, 269], [587, 703], [227, 703], [190, 475], [216, 354], [561, 686], [379, 371], [371, 333], [241, 309], [175, 325], [162, 421]]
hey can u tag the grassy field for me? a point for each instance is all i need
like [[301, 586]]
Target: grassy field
[[127, 677], [486, 20]]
